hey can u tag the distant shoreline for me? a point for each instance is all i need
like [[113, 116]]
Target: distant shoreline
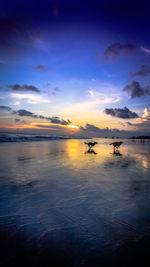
[[24, 137], [140, 137]]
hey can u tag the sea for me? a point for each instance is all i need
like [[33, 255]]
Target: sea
[[61, 202]]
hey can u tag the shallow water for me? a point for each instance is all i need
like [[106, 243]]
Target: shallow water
[[55, 192]]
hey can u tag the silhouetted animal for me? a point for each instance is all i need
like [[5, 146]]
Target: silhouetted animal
[[116, 145], [91, 144]]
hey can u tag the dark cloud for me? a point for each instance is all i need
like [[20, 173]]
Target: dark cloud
[[8, 29], [25, 87], [136, 90], [144, 70], [123, 113], [129, 123], [90, 128], [17, 120], [94, 131], [16, 33], [143, 123], [5, 108], [20, 121], [40, 67], [115, 50], [26, 113], [128, 16], [56, 120]]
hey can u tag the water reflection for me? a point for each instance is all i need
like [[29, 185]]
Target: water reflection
[[144, 159], [117, 153], [72, 154], [90, 151], [121, 162], [72, 148], [58, 191]]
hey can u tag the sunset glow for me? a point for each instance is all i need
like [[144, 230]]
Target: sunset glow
[[74, 133], [57, 73], [73, 126]]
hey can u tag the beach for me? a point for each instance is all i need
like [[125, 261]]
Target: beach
[[63, 205]]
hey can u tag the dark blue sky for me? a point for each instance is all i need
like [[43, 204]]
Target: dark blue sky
[[74, 60]]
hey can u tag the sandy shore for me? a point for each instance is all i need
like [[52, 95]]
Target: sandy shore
[[15, 251], [62, 206]]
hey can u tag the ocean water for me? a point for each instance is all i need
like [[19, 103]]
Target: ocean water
[[57, 195]]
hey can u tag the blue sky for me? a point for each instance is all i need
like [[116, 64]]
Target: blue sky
[[74, 61]]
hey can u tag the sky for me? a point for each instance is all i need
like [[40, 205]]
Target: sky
[[78, 68]]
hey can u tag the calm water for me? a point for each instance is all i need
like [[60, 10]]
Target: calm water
[[55, 192]]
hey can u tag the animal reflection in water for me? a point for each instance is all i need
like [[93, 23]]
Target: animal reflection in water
[[116, 146], [116, 153], [90, 150]]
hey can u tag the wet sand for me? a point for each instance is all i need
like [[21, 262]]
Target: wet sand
[[63, 206], [15, 251]]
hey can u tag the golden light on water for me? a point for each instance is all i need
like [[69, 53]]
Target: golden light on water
[[73, 126]]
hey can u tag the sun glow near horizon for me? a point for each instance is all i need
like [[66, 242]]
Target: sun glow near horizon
[[73, 126]]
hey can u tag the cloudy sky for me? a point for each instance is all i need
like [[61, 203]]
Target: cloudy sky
[[81, 63]]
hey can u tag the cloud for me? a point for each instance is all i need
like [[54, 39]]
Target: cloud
[[15, 33], [17, 120], [95, 101], [24, 87], [143, 122], [5, 108], [31, 98], [26, 113], [123, 113], [103, 98], [146, 50], [20, 121], [57, 120], [40, 67], [129, 123], [136, 90], [146, 115], [16, 103], [90, 128], [7, 30], [140, 128], [143, 71], [115, 50]]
